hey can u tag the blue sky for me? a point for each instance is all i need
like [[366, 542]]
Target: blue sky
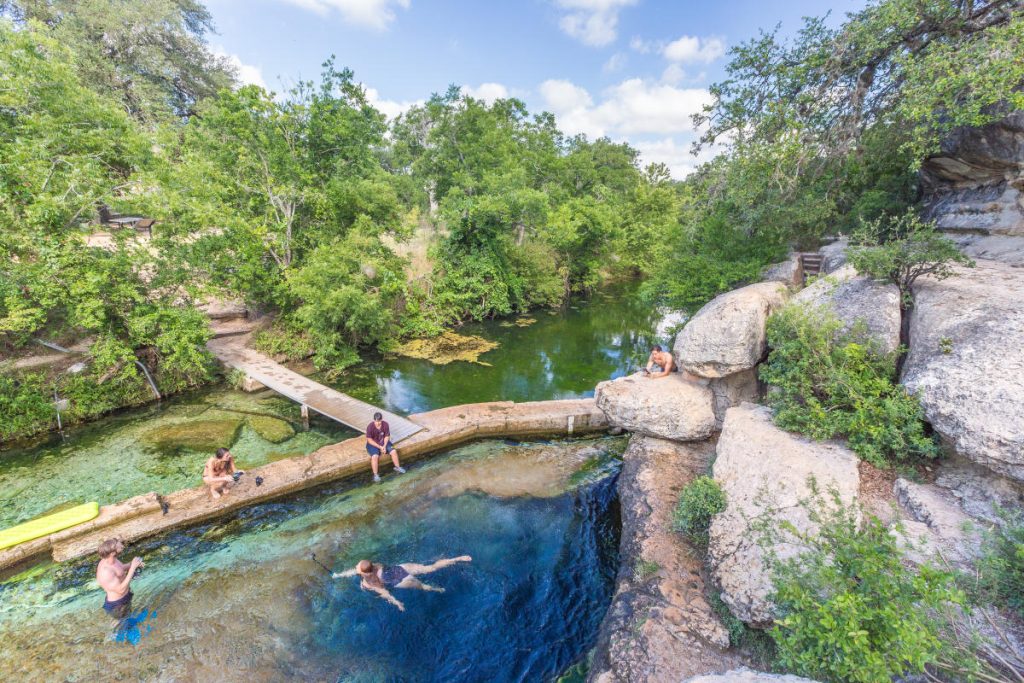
[[633, 70]]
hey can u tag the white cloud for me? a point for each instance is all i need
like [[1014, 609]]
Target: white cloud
[[375, 14], [592, 22], [615, 63], [673, 74], [689, 49], [390, 108], [642, 46], [488, 92], [248, 74], [676, 155], [653, 117], [634, 106]]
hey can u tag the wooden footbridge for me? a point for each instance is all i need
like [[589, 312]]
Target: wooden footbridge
[[309, 394]]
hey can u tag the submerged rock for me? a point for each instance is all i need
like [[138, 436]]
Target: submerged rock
[[667, 407], [727, 335], [766, 473], [197, 435], [659, 626], [857, 298], [448, 347], [272, 429], [966, 362]]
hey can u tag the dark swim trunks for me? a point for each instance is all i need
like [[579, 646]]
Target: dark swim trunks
[[120, 608], [374, 451], [392, 576]]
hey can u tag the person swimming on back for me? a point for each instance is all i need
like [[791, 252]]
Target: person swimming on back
[[379, 577]]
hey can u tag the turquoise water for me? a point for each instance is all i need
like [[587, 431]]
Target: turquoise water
[[241, 599]]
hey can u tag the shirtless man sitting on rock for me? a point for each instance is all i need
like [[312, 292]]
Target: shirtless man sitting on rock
[[115, 577], [379, 577], [663, 360]]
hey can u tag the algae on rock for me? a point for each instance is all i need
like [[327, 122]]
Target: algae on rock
[[448, 347], [272, 429], [197, 435]]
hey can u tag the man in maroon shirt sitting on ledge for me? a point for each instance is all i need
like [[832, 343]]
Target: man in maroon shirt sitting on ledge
[[378, 440]]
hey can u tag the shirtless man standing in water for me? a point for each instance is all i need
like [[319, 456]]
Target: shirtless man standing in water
[[378, 577], [115, 578]]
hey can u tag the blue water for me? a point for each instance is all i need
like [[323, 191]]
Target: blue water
[[242, 599]]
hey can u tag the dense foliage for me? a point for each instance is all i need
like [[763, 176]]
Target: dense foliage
[[828, 383], [850, 609], [699, 501]]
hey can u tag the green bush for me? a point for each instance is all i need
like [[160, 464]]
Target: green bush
[[699, 501], [1002, 563], [26, 404], [827, 383], [282, 341], [850, 609]]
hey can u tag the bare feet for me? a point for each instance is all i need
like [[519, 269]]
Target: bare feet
[[464, 558]]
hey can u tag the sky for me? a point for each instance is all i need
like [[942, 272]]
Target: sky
[[632, 70]]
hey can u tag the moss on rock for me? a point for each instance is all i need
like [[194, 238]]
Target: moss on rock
[[196, 435], [272, 429]]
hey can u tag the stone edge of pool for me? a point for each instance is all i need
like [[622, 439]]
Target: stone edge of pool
[[142, 516]]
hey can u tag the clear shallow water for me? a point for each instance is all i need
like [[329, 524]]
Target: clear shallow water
[[241, 599], [563, 354]]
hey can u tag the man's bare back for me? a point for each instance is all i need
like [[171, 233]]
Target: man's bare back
[[110, 576]]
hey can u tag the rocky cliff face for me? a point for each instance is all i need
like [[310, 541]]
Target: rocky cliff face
[[976, 184]]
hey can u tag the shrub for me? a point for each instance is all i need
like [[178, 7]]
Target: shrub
[[828, 383], [901, 249], [1002, 563], [26, 405], [851, 610], [699, 501]]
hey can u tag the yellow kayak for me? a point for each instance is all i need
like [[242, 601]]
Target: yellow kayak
[[48, 524]]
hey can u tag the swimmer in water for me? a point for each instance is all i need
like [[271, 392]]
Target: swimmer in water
[[378, 577]]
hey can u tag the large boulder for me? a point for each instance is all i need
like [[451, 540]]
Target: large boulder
[[765, 472], [659, 626], [790, 272], [834, 255], [941, 529], [732, 390], [854, 298], [668, 407], [727, 335], [975, 183], [745, 675], [966, 362]]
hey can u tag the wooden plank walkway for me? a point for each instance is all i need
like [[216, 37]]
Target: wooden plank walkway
[[333, 404]]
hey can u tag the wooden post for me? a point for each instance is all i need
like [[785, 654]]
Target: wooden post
[[305, 416]]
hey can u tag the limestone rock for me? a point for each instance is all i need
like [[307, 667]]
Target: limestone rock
[[975, 184], [834, 255], [966, 362], [659, 626], [667, 408], [761, 468], [949, 530], [727, 335], [745, 675], [853, 297], [790, 272], [1005, 248], [978, 491], [733, 390]]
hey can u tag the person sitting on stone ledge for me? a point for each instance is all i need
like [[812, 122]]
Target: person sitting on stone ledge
[[663, 360], [220, 473]]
